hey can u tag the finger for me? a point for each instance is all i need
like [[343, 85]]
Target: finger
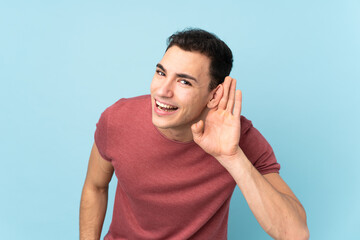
[[197, 130], [231, 100], [238, 102], [224, 99]]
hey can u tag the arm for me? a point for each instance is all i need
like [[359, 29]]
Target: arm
[[272, 202], [274, 205], [94, 195]]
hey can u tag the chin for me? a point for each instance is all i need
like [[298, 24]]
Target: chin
[[159, 123]]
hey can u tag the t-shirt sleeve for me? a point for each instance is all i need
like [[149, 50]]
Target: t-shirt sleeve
[[101, 134], [258, 150]]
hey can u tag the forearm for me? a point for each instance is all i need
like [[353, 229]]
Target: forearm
[[92, 212], [281, 216]]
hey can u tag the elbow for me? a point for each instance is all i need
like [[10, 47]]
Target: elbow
[[300, 234], [305, 234], [292, 233], [298, 230]]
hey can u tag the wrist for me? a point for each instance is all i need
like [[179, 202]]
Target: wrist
[[233, 161], [238, 165]]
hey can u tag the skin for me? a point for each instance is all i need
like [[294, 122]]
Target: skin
[[190, 96], [94, 196], [212, 120], [272, 202]]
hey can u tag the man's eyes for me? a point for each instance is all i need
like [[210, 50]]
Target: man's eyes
[[160, 73], [185, 82], [182, 81]]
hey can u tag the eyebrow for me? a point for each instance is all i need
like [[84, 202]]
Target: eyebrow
[[181, 75]]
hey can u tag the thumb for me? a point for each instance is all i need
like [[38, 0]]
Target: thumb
[[197, 130]]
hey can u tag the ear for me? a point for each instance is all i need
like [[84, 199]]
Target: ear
[[216, 95]]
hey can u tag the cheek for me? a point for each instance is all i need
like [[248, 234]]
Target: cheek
[[200, 102], [153, 84], [193, 101], [186, 97]]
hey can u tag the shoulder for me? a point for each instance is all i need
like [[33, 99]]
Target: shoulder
[[246, 124], [129, 103], [257, 148], [251, 140], [125, 111], [127, 106]]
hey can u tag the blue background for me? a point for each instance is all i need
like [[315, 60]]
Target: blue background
[[63, 62]]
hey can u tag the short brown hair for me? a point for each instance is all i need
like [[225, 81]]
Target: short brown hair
[[209, 44]]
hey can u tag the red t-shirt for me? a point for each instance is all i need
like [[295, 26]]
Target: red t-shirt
[[168, 189]]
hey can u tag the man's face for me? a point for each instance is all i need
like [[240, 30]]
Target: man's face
[[179, 89]]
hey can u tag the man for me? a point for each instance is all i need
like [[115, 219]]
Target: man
[[179, 153]]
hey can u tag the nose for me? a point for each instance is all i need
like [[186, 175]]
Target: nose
[[166, 88]]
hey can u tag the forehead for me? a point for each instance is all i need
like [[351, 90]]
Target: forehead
[[180, 61]]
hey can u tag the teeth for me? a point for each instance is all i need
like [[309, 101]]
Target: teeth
[[164, 105]]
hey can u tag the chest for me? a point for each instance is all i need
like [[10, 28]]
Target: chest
[[147, 168]]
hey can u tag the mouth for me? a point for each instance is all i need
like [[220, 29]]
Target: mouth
[[165, 107]]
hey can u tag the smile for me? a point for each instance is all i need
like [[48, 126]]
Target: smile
[[165, 107]]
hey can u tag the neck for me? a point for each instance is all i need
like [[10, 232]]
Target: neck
[[179, 135]]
